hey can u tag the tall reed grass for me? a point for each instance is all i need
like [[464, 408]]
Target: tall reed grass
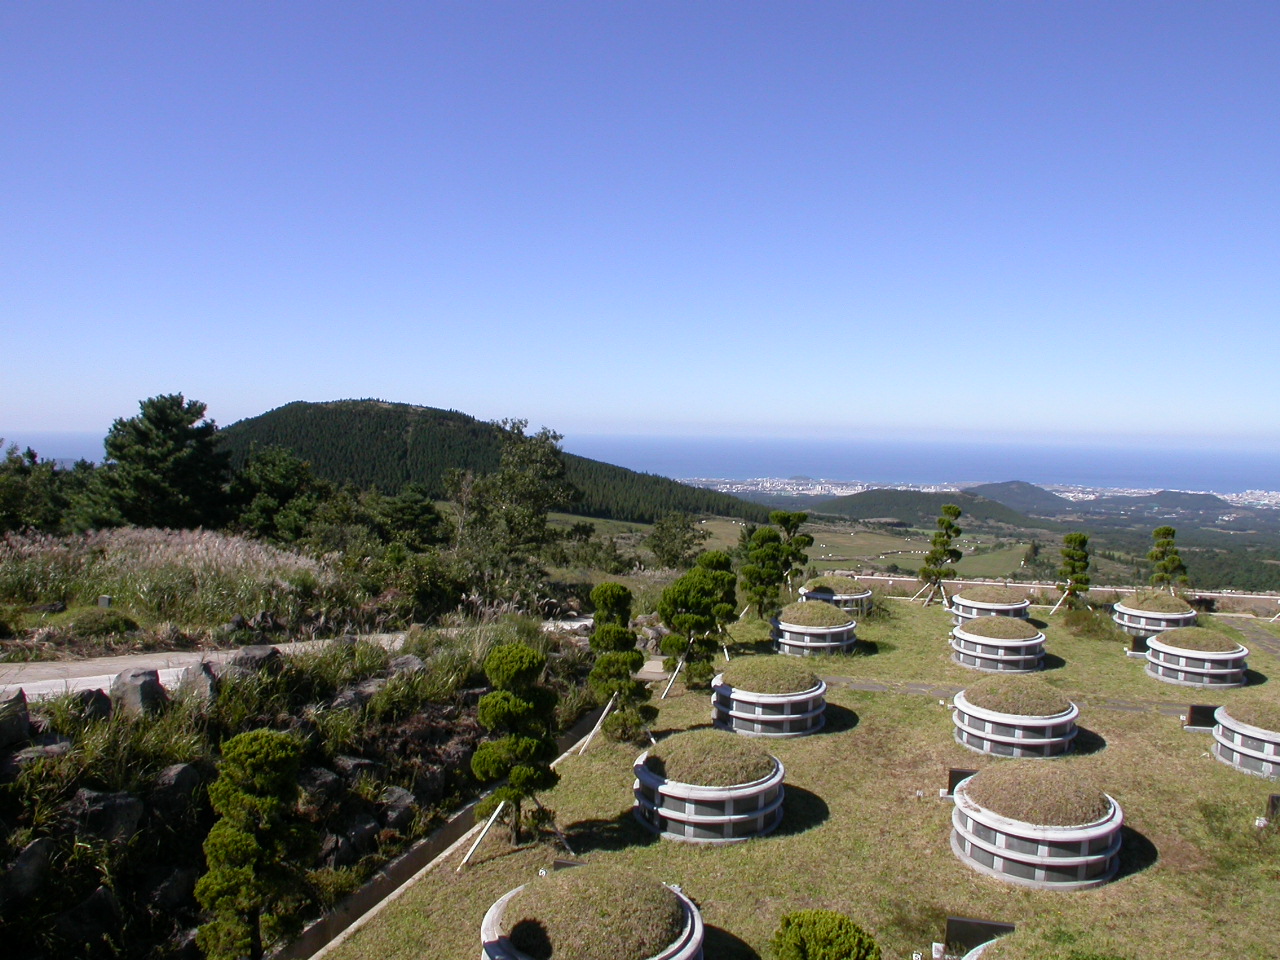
[[191, 577]]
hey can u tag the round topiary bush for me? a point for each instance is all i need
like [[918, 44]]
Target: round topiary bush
[[593, 913], [101, 622], [822, 935]]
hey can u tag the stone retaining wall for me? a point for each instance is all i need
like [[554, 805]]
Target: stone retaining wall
[[1196, 668], [494, 946], [996, 655], [768, 714], [1246, 747], [1045, 858], [698, 814], [1013, 735]]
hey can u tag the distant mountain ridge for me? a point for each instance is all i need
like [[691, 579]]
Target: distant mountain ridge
[[1023, 497], [919, 508], [377, 443]]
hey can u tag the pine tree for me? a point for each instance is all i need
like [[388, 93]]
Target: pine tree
[[696, 607], [938, 561], [1075, 564], [1169, 568]]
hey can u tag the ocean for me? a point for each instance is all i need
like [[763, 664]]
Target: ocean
[[1185, 467]]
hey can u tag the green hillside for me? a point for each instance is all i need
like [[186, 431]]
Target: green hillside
[[922, 509], [374, 443], [1024, 497]]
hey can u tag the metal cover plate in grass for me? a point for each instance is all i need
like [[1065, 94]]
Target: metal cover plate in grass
[[1000, 628], [841, 585], [1198, 638], [593, 913], [769, 674], [983, 594], [1045, 793], [814, 613], [1155, 602], [709, 758], [1023, 696], [1264, 714]]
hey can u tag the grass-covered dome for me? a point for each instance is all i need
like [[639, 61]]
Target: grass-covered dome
[[986, 593], [1000, 628], [769, 674], [1156, 601], [709, 758], [1257, 713], [844, 586], [1198, 638], [814, 613], [1023, 696], [593, 913], [1044, 794]]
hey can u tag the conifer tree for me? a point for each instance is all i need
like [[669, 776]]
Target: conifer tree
[[696, 607], [1075, 564], [617, 660], [938, 561], [1169, 568]]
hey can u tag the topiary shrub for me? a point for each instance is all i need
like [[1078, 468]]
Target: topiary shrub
[[100, 622], [822, 935]]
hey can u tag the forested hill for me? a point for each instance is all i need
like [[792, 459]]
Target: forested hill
[[373, 443], [922, 509]]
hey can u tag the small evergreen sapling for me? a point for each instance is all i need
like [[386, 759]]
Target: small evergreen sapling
[[822, 935]]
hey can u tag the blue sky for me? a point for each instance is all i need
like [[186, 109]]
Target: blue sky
[[862, 220]]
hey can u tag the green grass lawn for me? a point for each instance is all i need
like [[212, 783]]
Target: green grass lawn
[[1198, 879]]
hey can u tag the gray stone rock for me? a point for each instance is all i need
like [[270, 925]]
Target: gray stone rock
[[355, 697], [320, 783], [399, 811], [362, 832], [184, 946], [28, 873], [265, 622], [56, 607], [15, 721], [94, 704], [97, 914], [355, 767], [407, 663], [337, 851], [111, 816], [136, 692], [175, 786], [199, 682], [231, 672], [175, 891], [257, 658]]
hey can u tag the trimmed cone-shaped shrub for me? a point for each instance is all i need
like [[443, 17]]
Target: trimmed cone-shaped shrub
[[822, 935]]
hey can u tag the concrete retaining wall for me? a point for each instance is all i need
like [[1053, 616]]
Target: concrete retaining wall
[[853, 602], [797, 640], [1196, 668], [768, 714], [1147, 623], [962, 609], [1246, 747], [996, 655], [1045, 858], [494, 946], [697, 814], [1013, 735]]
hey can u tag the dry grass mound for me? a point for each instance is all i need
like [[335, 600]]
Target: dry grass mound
[[990, 594], [1024, 696], [1153, 601], [1000, 628], [1198, 638], [709, 758], [1047, 794], [845, 586], [814, 613], [769, 674], [1257, 713], [593, 913]]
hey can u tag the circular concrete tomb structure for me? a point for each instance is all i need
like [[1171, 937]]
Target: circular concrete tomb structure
[[768, 696], [708, 786], [998, 645], [987, 601], [1196, 657], [1248, 738], [595, 912], [813, 627], [843, 592], [1014, 716], [1150, 612], [1036, 825]]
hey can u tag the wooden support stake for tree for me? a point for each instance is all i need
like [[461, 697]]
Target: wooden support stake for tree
[[674, 673], [559, 835], [483, 833], [725, 648], [607, 707], [943, 588], [1064, 596], [920, 591]]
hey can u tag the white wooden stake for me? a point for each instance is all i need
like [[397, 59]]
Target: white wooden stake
[[725, 648], [674, 673], [1059, 603], [483, 833], [587, 742], [918, 592]]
